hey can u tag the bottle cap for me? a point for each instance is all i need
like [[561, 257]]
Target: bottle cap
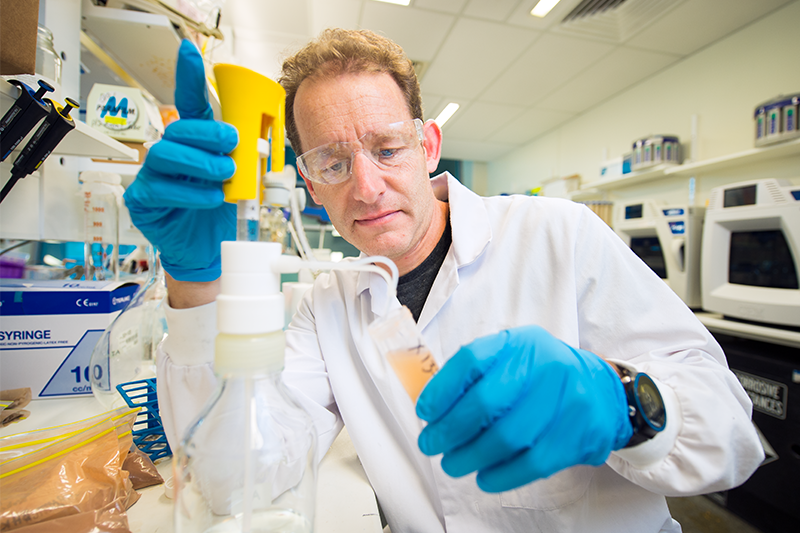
[[250, 301]]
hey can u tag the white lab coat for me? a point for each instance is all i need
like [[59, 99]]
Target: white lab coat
[[514, 260]]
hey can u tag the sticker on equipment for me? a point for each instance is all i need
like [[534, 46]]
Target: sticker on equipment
[[769, 397]]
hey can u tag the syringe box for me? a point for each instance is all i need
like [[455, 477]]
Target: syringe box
[[49, 328]]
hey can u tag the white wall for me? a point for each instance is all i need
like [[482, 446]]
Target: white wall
[[721, 84]]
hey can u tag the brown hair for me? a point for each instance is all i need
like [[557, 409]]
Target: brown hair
[[337, 51]]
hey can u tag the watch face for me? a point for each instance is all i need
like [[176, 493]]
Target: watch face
[[652, 406]]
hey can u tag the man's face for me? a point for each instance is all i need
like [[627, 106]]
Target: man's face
[[380, 211]]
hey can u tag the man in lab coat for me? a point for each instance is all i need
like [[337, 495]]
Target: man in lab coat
[[548, 330]]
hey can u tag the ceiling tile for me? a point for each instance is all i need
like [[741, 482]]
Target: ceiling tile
[[448, 6], [480, 120], [530, 125], [693, 25], [334, 14], [491, 56], [432, 105], [268, 15], [474, 150], [546, 65], [467, 63], [521, 16], [418, 31], [609, 76], [490, 9]]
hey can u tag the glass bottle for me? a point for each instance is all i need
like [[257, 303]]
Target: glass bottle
[[48, 62], [102, 199], [248, 462], [126, 350], [274, 225]]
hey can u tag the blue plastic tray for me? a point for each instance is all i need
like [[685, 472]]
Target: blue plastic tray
[[148, 432]]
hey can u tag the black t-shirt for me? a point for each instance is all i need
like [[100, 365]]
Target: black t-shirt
[[413, 288]]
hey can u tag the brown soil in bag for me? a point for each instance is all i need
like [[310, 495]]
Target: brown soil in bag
[[79, 474]]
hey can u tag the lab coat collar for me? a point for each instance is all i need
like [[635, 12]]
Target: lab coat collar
[[471, 235], [468, 218]]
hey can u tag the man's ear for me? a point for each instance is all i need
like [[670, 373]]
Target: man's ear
[[432, 144]]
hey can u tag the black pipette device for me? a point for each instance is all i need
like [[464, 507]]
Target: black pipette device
[[20, 119], [54, 127]]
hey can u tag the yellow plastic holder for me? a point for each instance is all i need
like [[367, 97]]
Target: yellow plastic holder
[[255, 105]]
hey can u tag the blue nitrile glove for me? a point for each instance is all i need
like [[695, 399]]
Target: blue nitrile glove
[[176, 200], [521, 405]]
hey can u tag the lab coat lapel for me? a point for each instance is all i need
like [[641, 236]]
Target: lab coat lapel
[[373, 291], [471, 232]]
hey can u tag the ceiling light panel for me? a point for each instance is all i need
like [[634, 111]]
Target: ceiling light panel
[[543, 8], [446, 113]]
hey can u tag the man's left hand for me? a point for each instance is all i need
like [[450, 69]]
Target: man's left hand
[[522, 405]]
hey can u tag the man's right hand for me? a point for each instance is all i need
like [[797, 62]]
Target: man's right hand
[[176, 200]]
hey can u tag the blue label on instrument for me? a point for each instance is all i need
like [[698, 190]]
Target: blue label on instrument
[[677, 228]]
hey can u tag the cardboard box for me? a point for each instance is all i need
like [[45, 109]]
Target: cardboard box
[[18, 29], [48, 329]]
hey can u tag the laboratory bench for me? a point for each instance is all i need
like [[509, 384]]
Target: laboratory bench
[[345, 500]]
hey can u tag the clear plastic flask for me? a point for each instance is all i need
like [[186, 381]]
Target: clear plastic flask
[[248, 462], [102, 199], [400, 342], [127, 348]]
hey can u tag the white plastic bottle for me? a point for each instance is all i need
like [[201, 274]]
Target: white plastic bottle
[[248, 463]]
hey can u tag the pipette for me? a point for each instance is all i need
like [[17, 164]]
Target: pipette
[[259, 120], [28, 109], [54, 127]]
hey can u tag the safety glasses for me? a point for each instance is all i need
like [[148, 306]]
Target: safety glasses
[[388, 147]]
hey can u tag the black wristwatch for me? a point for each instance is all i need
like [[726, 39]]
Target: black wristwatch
[[645, 406]]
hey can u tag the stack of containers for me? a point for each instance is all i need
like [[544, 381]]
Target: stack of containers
[[776, 120], [655, 150]]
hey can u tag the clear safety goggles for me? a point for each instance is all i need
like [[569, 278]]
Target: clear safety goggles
[[388, 147]]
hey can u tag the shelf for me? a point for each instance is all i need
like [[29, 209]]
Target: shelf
[[775, 151], [583, 195], [82, 141], [717, 323], [631, 178], [123, 169], [145, 45]]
